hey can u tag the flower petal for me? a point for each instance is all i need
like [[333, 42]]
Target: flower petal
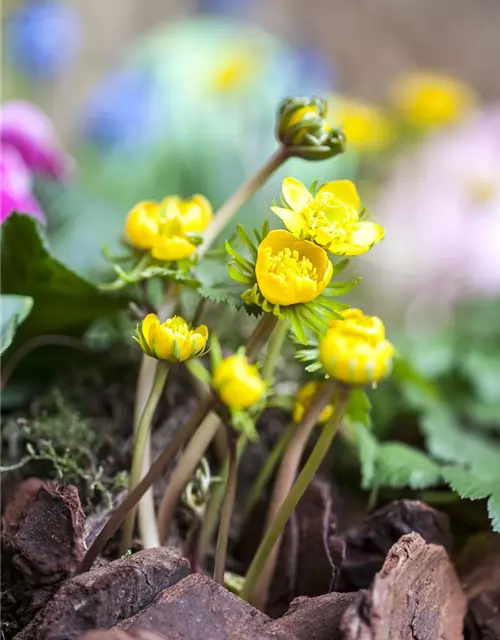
[[295, 193], [293, 220], [344, 190], [366, 235]]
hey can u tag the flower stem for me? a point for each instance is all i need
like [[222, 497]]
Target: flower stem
[[267, 470], [155, 472], [240, 196], [261, 570], [146, 509], [140, 445], [185, 468], [227, 507], [260, 335], [273, 350]]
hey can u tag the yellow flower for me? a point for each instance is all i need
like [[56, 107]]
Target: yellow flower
[[177, 218], [330, 218], [195, 213], [365, 126], [172, 340], [237, 382], [236, 71], [430, 100], [290, 270], [143, 223], [303, 115], [303, 400], [354, 350]]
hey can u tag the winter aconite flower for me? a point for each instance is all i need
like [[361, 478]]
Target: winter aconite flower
[[330, 218], [237, 382], [164, 228], [303, 400], [290, 270], [365, 126], [143, 224], [428, 100], [172, 340], [354, 350]]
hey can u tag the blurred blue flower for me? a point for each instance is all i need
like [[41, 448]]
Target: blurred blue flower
[[315, 70], [43, 37], [122, 111]]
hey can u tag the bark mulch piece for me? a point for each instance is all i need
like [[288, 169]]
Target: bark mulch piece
[[42, 531], [197, 608], [138, 634], [367, 545], [416, 596], [310, 552], [479, 569], [101, 598], [316, 618]]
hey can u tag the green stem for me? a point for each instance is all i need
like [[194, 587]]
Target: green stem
[[185, 468], [274, 348], [240, 197], [267, 470], [227, 508], [260, 335], [140, 446], [155, 472], [257, 580]]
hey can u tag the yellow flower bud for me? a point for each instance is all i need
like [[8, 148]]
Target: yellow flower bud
[[330, 218], [303, 128], [290, 270], [237, 382], [354, 350], [171, 242], [303, 400], [429, 100], [172, 340], [143, 223], [195, 213]]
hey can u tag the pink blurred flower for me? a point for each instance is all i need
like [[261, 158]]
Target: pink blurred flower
[[15, 188], [441, 211], [29, 146]]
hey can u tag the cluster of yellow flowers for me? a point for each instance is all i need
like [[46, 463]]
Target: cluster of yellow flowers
[[164, 228], [423, 100]]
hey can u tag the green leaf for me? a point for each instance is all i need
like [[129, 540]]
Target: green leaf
[[63, 302], [399, 465], [229, 293], [468, 484], [15, 309], [367, 446], [494, 511], [483, 370], [359, 407]]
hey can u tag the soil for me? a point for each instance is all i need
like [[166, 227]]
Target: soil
[[393, 573]]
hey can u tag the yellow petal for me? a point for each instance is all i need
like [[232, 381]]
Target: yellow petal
[[344, 190], [295, 193], [176, 248], [361, 241], [294, 222], [163, 343]]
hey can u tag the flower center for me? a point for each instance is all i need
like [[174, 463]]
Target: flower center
[[288, 265], [328, 213]]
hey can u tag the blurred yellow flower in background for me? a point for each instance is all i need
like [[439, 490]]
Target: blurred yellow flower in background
[[366, 127], [172, 340], [195, 212], [428, 100], [289, 270], [237, 382], [303, 400], [330, 218], [354, 350], [235, 71]]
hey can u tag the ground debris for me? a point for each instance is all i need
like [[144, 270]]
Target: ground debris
[[367, 544], [42, 531], [415, 596], [479, 569], [101, 598]]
